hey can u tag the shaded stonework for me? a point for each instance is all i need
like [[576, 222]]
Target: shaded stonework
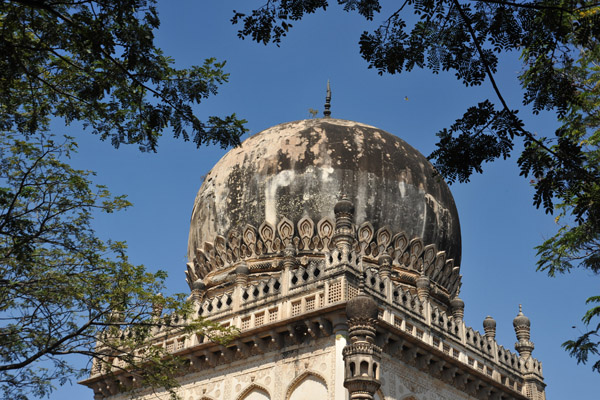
[[344, 298]]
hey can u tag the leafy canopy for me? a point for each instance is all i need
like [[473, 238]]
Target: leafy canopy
[[558, 41], [63, 290], [96, 62]]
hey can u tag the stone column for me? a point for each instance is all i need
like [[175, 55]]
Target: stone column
[[340, 331], [241, 280], [289, 264], [362, 358], [343, 237]]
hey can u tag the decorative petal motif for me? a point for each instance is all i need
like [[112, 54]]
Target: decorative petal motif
[[428, 258], [365, 235], [221, 249], [325, 229], [267, 234], [443, 280], [454, 279], [234, 241], [250, 236], [278, 245], [306, 230], [416, 248], [384, 238], [190, 274], [220, 244], [400, 242], [285, 228], [373, 250], [269, 240], [209, 252]]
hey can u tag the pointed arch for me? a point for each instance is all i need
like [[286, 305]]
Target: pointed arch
[[310, 385], [254, 392]]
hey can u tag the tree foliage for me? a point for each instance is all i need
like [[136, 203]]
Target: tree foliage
[[96, 62], [64, 291], [558, 41]]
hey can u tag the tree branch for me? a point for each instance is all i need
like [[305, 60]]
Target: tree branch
[[536, 6], [490, 75], [48, 349]]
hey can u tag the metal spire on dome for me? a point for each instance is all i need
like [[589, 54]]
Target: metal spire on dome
[[327, 111]]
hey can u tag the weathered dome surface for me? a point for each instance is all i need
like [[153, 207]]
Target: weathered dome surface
[[303, 168]]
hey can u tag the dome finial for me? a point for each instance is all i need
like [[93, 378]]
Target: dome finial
[[327, 111]]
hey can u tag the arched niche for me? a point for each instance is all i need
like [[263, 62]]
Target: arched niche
[[308, 386], [254, 392]]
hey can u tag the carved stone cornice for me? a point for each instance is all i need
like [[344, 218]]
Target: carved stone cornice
[[282, 335], [449, 369], [264, 249]]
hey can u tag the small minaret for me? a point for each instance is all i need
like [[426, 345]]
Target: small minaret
[[522, 328], [457, 306], [362, 358], [533, 384], [489, 327], [343, 237]]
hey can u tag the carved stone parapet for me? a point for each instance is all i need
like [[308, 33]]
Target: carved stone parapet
[[398, 256]]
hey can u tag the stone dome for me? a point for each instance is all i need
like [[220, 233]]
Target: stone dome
[[362, 306], [302, 168]]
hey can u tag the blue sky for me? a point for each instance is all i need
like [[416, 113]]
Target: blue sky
[[270, 85]]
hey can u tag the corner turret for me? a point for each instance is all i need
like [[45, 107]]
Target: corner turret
[[362, 357]]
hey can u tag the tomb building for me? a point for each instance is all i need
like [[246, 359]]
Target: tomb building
[[335, 249]]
